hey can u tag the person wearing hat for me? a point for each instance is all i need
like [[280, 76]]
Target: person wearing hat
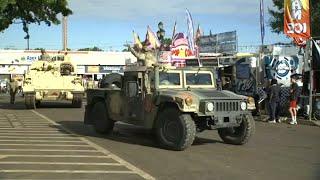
[[293, 100]]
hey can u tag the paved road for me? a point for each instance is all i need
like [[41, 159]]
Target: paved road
[[277, 151]]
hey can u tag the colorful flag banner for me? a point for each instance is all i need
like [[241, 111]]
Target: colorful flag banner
[[297, 19], [152, 38], [136, 40], [190, 31], [262, 28], [174, 30]]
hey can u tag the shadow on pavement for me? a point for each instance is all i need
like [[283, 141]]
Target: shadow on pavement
[[19, 104], [126, 133]]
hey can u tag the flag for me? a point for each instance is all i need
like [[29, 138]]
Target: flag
[[152, 38], [297, 19], [262, 21], [136, 40], [174, 30], [190, 31]]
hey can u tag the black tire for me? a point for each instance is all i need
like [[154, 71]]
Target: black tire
[[38, 103], [174, 130], [30, 101], [77, 100], [102, 123], [238, 135], [110, 79]]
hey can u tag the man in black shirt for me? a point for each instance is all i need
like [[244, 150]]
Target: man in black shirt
[[274, 99]]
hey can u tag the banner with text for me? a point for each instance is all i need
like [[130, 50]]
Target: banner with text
[[297, 20]]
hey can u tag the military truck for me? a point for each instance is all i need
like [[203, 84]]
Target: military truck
[[175, 103], [52, 80]]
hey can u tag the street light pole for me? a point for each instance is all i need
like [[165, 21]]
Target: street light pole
[[64, 33]]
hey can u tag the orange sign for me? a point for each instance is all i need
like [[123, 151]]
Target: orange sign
[[297, 19]]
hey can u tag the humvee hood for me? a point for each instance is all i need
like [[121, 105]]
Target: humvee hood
[[202, 94], [216, 94]]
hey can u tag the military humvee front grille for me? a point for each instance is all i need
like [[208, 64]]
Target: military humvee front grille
[[227, 106]]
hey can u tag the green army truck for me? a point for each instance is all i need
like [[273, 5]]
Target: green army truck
[[175, 103]]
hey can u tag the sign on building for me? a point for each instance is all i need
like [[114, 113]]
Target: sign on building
[[219, 43]]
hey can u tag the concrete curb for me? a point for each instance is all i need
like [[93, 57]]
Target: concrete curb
[[301, 121]]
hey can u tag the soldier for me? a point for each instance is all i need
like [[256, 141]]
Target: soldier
[[44, 56], [13, 90], [90, 83]]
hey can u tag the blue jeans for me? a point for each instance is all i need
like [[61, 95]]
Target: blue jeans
[[273, 110]]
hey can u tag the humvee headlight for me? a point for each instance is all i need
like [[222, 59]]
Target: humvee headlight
[[210, 107], [243, 106], [188, 101]]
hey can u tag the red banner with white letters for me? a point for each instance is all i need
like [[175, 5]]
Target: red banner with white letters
[[297, 20]]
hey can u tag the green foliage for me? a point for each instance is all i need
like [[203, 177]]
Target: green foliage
[[167, 41], [31, 11], [276, 20], [90, 49]]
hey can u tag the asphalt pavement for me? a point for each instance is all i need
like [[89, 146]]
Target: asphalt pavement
[[276, 151]]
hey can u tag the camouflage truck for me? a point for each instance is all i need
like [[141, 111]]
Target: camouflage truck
[[52, 79], [175, 103]]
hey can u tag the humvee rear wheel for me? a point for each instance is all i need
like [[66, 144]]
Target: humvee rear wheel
[[30, 101], [174, 130], [102, 124], [111, 79], [77, 100], [238, 135]]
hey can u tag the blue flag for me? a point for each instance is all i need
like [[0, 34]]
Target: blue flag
[[262, 21]]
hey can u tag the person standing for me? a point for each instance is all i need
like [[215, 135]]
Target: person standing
[[274, 99], [293, 100], [44, 56], [13, 90]]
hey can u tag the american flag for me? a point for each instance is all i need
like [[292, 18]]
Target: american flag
[[190, 31]]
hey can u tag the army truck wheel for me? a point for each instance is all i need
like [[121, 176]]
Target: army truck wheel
[[102, 123], [108, 80], [30, 101], [77, 100], [238, 135], [174, 130], [38, 103]]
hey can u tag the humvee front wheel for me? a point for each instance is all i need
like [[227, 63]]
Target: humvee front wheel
[[174, 130], [101, 122], [77, 100], [30, 101], [238, 135]]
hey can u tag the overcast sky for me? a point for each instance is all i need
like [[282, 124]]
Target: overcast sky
[[109, 23]]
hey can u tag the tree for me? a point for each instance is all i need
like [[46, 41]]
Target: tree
[[276, 20], [90, 49], [31, 11]]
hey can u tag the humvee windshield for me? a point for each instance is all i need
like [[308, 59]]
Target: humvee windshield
[[170, 79], [173, 79]]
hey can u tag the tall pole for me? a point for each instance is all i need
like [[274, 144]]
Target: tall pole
[[309, 56], [64, 33]]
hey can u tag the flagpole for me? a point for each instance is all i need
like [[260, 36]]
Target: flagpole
[[310, 43]]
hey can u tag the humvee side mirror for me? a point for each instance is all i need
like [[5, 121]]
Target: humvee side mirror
[[132, 88]]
